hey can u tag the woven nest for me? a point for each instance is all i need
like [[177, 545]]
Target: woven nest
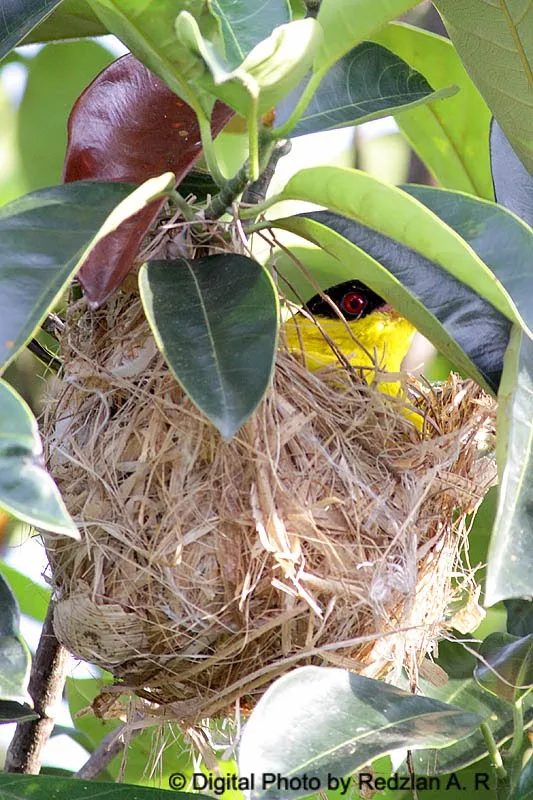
[[327, 531]]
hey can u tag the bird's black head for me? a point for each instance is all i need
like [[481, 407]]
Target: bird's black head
[[352, 298]]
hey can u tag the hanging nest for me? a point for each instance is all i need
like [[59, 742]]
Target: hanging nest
[[327, 531]]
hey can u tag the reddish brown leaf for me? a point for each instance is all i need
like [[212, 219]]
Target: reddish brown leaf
[[129, 126]]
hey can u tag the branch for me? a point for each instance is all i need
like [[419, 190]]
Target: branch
[[47, 678], [110, 746], [256, 192]]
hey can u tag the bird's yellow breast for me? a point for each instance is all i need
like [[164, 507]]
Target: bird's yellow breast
[[380, 339]]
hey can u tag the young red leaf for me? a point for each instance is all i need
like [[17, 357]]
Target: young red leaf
[[129, 126]]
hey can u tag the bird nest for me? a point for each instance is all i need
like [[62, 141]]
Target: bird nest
[[327, 531]]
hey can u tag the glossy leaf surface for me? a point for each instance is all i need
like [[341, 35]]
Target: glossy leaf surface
[[44, 238], [507, 670], [316, 721], [129, 126], [18, 18], [47, 787], [466, 694], [396, 214], [215, 321], [346, 23], [72, 19], [68, 68], [15, 701], [513, 184], [510, 566], [450, 136], [245, 24], [151, 37], [501, 240], [26, 490], [495, 43], [463, 326], [367, 83]]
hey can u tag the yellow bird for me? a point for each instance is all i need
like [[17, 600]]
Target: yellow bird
[[371, 333]]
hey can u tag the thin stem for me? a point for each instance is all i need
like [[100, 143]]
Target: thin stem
[[260, 208], [209, 151], [180, 202], [110, 746], [228, 194], [518, 731], [253, 142], [255, 193], [283, 131], [47, 679], [494, 753]]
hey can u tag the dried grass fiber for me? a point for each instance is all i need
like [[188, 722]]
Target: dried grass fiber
[[322, 533]]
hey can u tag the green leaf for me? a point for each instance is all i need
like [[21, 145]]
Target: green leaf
[[501, 240], [495, 43], [10, 710], [519, 617], [392, 212], [507, 669], [46, 787], [72, 19], [367, 83], [463, 326], [68, 68], [151, 37], [315, 721], [524, 788], [347, 22], [14, 660], [270, 71], [215, 321], [245, 24], [510, 565], [26, 489], [32, 598], [19, 18], [513, 184], [44, 239], [497, 713], [450, 136]]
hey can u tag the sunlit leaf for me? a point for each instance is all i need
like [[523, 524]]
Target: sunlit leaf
[[507, 666], [394, 213], [129, 126], [451, 136], [496, 713], [33, 599], [346, 23], [510, 564], [68, 68], [315, 721], [14, 657], [19, 18], [215, 321], [44, 238], [513, 184], [463, 326], [245, 24], [495, 43], [367, 83], [500, 239]]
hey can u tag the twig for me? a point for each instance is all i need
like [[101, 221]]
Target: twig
[[47, 678], [110, 746], [256, 192], [40, 352]]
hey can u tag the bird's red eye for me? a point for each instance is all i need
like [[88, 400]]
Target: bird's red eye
[[353, 303]]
